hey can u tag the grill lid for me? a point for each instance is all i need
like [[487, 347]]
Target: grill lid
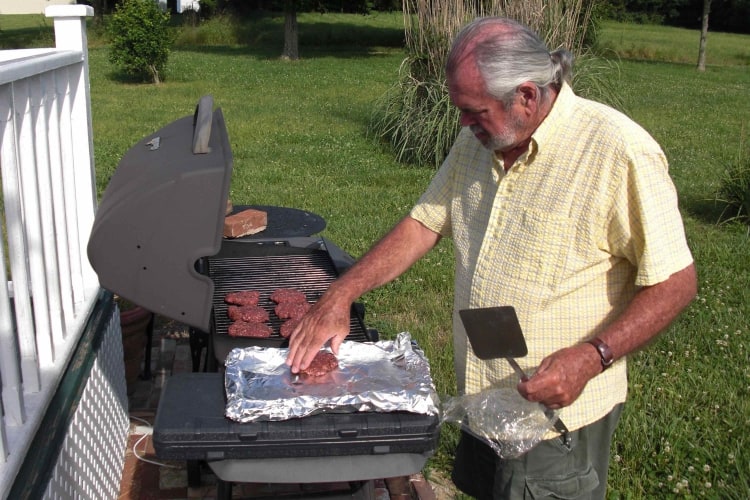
[[162, 211]]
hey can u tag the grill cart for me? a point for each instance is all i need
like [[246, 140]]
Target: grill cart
[[157, 240]]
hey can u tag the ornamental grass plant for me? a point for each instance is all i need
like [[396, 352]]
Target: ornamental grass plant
[[734, 192], [415, 117]]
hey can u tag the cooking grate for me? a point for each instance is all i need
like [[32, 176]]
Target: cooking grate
[[310, 271]]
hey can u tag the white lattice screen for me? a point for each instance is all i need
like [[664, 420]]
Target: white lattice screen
[[90, 463]]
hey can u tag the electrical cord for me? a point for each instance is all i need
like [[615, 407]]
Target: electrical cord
[[142, 458]]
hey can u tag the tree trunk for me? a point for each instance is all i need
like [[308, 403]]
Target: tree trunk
[[704, 35], [100, 8], [291, 32]]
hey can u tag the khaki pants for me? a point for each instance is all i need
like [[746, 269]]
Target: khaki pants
[[575, 469]]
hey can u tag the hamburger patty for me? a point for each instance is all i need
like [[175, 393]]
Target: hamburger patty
[[243, 298], [251, 314], [286, 328], [323, 362], [288, 295], [292, 310], [246, 329]]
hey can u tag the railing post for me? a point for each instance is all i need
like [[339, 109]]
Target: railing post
[[70, 34], [70, 25]]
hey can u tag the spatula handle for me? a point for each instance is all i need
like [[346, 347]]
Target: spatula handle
[[519, 371]]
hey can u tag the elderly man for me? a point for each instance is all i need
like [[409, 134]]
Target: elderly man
[[560, 207]]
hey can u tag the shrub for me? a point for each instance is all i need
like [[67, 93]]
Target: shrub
[[141, 39]]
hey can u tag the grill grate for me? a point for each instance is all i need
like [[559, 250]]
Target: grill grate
[[311, 272]]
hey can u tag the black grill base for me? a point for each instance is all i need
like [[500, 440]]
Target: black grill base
[[190, 425], [328, 447]]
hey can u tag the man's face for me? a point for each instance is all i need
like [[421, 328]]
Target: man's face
[[497, 128]]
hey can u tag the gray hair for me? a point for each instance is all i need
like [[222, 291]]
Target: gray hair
[[508, 54]]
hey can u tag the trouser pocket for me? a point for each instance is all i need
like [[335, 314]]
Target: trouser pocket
[[576, 485]]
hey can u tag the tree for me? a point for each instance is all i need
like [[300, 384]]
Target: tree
[[704, 35], [101, 7], [291, 31]]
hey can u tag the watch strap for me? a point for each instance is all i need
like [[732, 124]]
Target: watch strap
[[605, 353]]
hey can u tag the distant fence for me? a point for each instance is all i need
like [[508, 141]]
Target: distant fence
[[48, 206]]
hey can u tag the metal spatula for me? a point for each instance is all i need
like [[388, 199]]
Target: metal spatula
[[495, 332]]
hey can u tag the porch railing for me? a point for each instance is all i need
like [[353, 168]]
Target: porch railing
[[48, 204]]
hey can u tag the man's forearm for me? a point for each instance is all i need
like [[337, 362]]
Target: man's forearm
[[651, 311], [328, 320], [396, 252], [562, 376]]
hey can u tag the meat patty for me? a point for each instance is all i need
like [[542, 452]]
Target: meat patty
[[243, 298], [251, 314], [286, 328], [247, 329], [323, 362], [288, 295], [292, 310]]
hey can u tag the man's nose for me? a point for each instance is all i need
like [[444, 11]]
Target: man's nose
[[467, 119]]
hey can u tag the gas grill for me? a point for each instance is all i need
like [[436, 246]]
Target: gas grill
[[157, 240]]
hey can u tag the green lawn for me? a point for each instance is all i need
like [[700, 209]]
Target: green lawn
[[297, 131], [669, 44]]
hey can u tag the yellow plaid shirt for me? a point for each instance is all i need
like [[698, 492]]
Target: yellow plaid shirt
[[567, 236]]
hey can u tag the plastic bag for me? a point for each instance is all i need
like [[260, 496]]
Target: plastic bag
[[509, 424]]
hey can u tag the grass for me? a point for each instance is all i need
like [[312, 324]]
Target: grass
[[668, 44], [26, 31], [297, 131]]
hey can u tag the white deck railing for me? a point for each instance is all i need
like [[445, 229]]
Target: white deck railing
[[48, 205]]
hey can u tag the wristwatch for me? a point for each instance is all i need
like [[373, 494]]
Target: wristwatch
[[604, 352]]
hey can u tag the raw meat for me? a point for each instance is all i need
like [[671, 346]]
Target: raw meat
[[248, 329], [243, 298], [286, 329], [322, 363], [292, 310], [288, 295], [251, 314]]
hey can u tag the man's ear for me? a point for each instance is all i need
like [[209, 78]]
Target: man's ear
[[529, 95]]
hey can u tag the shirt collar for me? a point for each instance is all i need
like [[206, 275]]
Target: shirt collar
[[552, 122]]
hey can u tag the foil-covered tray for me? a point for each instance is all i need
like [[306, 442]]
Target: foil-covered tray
[[382, 376]]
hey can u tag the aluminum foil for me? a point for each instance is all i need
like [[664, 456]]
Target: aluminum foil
[[380, 376]]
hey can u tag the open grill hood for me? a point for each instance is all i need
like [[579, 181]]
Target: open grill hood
[[162, 211]]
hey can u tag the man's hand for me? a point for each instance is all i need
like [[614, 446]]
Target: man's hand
[[562, 376], [327, 321]]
